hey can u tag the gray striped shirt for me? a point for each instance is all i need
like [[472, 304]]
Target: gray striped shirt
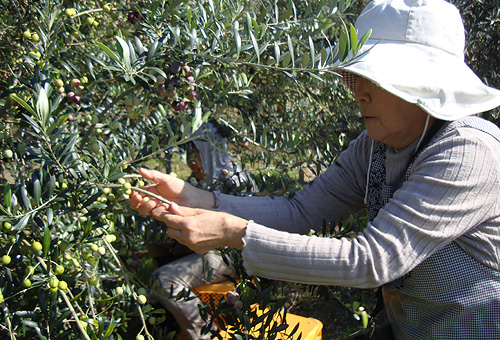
[[450, 198]]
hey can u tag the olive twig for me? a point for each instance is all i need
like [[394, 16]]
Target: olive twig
[[144, 191], [7, 320], [149, 193]]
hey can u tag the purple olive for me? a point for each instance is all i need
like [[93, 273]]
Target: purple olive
[[175, 67], [179, 105], [194, 95]]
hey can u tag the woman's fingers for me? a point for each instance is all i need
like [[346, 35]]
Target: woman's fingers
[[175, 209], [151, 175], [199, 229], [173, 215], [167, 213], [143, 203], [135, 200], [163, 181], [175, 189]]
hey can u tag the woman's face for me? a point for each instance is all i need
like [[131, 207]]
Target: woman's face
[[194, 163], [389, 119]]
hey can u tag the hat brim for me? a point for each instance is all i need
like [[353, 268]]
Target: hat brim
[[437, 81]]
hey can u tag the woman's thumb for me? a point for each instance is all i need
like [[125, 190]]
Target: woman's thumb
[[175, 209], [150, 175]]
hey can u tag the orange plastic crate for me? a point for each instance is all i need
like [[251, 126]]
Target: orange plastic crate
[[309, 328], [215, 291]]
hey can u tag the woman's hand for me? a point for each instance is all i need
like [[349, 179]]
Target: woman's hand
[[172, 189], [199, 229]]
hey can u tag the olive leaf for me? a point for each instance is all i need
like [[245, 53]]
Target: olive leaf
[[237, 38], [290, 49], [42, 107]]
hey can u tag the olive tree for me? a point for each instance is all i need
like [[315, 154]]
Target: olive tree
[[105, 88]]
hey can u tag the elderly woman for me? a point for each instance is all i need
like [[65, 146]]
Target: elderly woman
[[426, 169]]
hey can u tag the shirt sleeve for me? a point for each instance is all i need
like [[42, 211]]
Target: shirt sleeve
[[452, 189], [335, 194]]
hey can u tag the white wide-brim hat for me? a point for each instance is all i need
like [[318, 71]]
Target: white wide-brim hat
[[415, 52]]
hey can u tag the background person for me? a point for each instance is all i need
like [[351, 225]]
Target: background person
[[213, 167], [426, 169]]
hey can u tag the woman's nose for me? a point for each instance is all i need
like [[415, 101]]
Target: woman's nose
[[362, 94]]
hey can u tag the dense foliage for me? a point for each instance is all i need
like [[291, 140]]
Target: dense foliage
[[482, 53], [91, 91], [97, 90]]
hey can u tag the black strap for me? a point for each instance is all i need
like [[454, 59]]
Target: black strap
[[379, 306], [429, 135]]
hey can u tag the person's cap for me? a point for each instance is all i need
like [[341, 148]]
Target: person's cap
[[416, 52]]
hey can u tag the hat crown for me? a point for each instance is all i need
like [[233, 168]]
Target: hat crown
[[434, 23]]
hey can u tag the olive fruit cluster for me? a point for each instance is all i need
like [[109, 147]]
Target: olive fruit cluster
[[126, 188], [34, 37], [93, 252], [132, 106], [142, 296], [227, 183], [233, 299], [73, 96], [179, 87], [134, 17], [57, 269]]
